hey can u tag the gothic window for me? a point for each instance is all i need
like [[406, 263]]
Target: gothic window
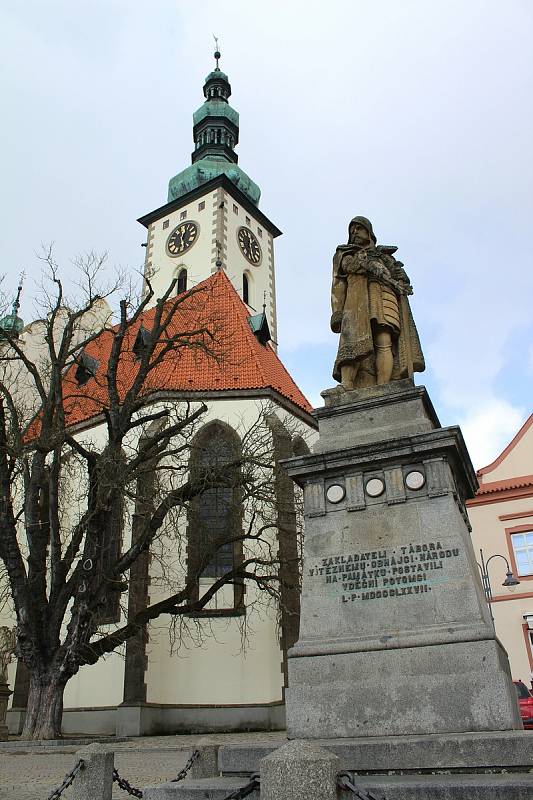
[[183, 215], [182, 281], [215, 515], [235, 209], [245, 289], [201, 205]]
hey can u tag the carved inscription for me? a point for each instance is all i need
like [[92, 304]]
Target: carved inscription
[[405, 571]]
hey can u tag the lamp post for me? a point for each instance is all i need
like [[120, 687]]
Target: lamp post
[[510, 580]]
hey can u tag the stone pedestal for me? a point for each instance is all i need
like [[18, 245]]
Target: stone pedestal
[[395, 633], [5, 694]]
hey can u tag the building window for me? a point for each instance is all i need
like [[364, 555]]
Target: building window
[[235, 209], [245, 289], [166, 223], [201, 205], [260, 233], [248, 221], [182, 281], [215, 515], [523, 552], [183, 215]]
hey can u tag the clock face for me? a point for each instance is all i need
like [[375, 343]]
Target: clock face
[[249, 245], [182, 238]]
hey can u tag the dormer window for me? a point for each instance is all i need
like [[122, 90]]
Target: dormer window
[[259, 325], [86, 369], [182, 281], [142, 341]]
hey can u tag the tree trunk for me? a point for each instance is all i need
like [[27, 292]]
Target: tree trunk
[[45, 707]]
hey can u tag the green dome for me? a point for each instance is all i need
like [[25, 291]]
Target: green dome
[[216, 108], [217, 74], [12, 324], [204, 170]]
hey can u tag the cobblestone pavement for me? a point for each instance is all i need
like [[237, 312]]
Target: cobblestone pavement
[[143, 761]]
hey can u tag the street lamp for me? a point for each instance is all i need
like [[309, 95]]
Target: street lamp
[[510, 580]]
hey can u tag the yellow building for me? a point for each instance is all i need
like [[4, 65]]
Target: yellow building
[[502, 526]]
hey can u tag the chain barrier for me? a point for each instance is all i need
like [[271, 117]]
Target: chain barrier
[[244, 791], [346, 780], [68, 779], [183, 772], [126, 785]]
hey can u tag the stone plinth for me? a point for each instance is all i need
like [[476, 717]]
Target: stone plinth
[[5, 694], [395, 633]]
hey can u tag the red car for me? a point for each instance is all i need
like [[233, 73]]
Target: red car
[[525, 703]]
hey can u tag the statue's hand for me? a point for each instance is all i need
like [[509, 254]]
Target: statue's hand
[[336, 321]]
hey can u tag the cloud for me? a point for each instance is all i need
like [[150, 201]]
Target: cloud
[[490, 428]]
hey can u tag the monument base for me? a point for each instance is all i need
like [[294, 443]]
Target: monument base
[[441, 688], [395, 633]]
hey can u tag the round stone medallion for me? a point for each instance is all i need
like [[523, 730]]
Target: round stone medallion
[[375, 487], [415, 479], [335, 493]]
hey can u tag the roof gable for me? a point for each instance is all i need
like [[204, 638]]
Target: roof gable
[[214, 317], [515, 460]]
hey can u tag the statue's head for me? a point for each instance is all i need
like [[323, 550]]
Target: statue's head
[[360, 232]]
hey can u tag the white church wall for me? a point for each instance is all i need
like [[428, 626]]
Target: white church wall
[[197, 260], [227, 660], [262, 274]]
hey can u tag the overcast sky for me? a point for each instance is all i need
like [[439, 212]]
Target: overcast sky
[[415, 113]]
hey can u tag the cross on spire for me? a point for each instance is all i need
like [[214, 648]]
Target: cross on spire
[[217, 50]]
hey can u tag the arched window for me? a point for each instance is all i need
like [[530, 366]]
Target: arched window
[[215, 515], [245, 288], [182, 281]]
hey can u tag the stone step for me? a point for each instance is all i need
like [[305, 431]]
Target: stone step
[[514, 786], [394, 787], [204, 789], [467, 752]]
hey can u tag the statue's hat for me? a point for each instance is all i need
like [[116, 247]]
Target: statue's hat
[[366, 224]]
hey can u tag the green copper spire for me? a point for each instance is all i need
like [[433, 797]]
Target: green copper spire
[[12, 324], [215, 134]]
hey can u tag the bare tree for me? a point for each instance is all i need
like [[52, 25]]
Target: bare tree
[[84, 445]]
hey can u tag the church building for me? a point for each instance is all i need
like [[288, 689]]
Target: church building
[[224, 675]]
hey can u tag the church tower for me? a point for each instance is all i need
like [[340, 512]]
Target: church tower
[[211, 220]]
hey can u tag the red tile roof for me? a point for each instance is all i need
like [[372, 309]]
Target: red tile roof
[[508, 483], [240, 361]]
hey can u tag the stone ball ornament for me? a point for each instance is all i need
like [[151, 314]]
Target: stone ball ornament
[[415, 479], [335, 493], [375, 487]]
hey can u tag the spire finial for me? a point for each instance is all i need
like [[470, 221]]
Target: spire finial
[[16, 301], [217, 51], [264, 302]]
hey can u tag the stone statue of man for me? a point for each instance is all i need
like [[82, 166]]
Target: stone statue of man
[[370, 309], [8, 640]]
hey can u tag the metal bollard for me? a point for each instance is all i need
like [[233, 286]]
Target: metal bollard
[[299, 771], [95, 780]]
